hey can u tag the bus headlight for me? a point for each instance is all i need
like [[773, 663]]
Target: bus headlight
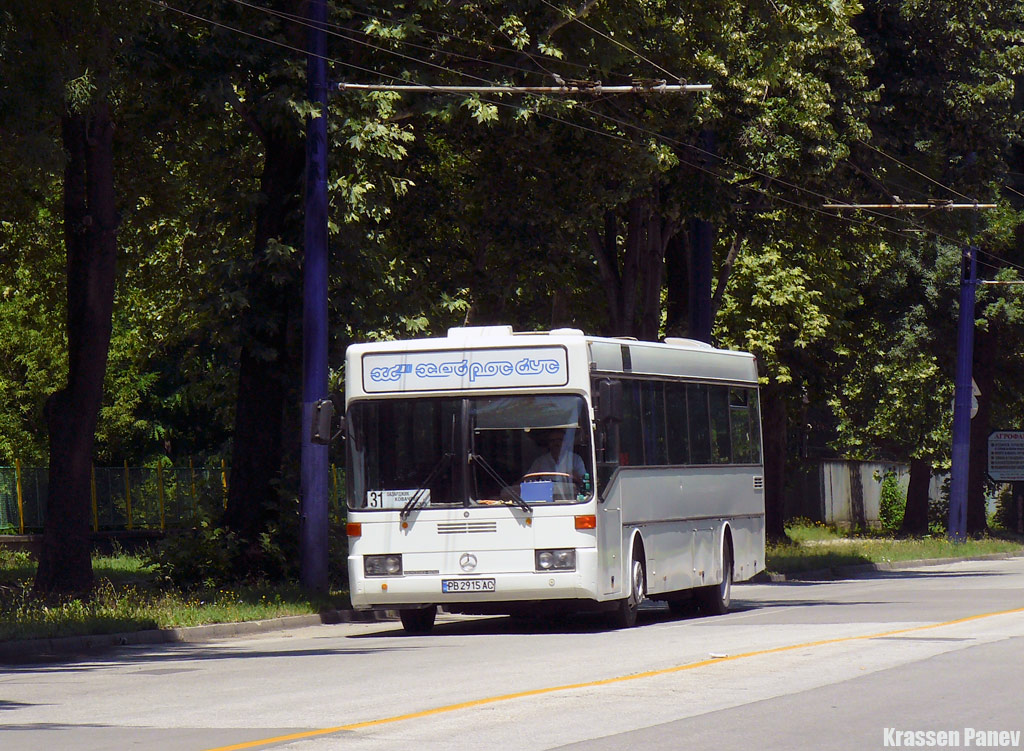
[[382, 565], [556, 560]]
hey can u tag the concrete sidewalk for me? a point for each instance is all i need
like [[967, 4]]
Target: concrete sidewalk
[[28, 650]]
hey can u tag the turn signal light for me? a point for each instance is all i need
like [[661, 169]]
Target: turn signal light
[[587, 521], [354, 529]]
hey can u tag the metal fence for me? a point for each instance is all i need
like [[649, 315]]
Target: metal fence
[[128, 498]]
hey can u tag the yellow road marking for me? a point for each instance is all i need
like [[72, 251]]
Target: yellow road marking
[[593, 684]]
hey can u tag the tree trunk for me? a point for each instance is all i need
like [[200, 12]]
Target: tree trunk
[[658, 232], [677, 286], [703, 234], [605, 248], [264, 363], [915, 516], [90, 235], [773, 428], [635, 238], [985, 353], [634, 277]]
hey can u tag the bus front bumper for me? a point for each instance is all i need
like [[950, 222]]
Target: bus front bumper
[[389, 592]]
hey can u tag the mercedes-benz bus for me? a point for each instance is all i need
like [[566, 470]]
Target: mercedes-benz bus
[[491, 471]]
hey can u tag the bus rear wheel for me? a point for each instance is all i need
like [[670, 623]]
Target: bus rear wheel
[[418, 621], [627, 608], [715, 600]]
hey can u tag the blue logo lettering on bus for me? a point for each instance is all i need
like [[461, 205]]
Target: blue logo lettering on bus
[[442, 370], [392, 373], [489, 369], [463, 368], [527, 366]]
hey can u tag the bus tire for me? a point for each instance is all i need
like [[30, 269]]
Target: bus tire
[[715, 600], [418, 621], [627, 608]]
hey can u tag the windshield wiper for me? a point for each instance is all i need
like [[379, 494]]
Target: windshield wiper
[[442, 462], [516, 498]]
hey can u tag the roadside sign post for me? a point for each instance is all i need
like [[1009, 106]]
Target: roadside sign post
[[1018, 498], [1006, 456], [1006, 464]]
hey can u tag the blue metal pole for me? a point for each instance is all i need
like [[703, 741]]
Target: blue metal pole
[[314, 310], [962, 398]]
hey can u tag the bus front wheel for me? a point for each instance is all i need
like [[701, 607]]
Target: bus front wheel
[[419, 621]]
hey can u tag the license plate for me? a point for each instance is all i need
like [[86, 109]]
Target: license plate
[[467, 585]]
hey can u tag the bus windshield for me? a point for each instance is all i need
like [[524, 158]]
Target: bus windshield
[[486, 450]]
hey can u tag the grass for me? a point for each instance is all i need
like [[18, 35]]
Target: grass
[[128, 597], [816, 546]]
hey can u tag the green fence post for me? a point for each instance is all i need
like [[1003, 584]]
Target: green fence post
[[21, 507], [92, 493], [224, 479], [160, 484], [127, 495]]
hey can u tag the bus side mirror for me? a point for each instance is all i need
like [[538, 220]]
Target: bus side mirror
[[323, 422], [609, 401]]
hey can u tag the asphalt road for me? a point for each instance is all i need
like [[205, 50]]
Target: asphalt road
[[854, 664]]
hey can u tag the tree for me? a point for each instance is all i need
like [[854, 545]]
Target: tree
[[62, 55], [943, 126]]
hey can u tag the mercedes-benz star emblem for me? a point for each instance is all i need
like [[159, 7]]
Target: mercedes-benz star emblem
[[467, 561]]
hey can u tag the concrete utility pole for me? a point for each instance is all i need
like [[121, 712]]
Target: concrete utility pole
[[314, 311], [963, 389]]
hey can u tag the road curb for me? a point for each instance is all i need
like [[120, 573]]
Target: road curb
[[34, 649], [852, 572]]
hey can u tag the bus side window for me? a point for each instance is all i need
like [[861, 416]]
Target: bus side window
[[631, 442], [655, 452], [721, 446], [678, 434], [739, 422], [699, 423], [755, 427]]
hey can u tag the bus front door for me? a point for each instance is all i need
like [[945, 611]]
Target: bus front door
[[609, 541]]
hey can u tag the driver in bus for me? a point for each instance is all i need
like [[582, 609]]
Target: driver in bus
[[559, 458]]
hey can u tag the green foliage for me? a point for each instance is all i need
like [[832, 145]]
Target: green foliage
[[204, 556], [822, 555], [14, 564], [773, 308], [1006, 514], [128, 597], [938, 512], [800, 530], [209, 555], [892, 503], [33, 349]]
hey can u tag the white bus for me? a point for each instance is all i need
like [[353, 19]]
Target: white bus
[[499, 472]]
